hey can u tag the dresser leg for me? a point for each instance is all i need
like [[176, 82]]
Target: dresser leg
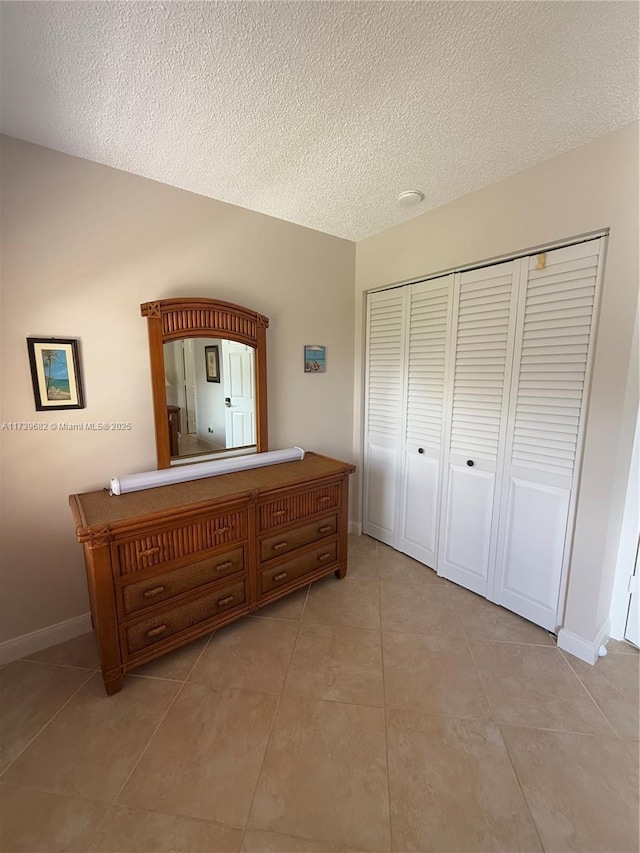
[[341, 573], [112, 682]]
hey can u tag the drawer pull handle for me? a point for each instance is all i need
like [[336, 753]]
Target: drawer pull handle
[[324, 499], [279, 513], [280, 545], [222, 566], [325, 529], [221, 530], [280, 577], [226, 600], [154, 632], [150, 552], [324, 557], [150, 593]]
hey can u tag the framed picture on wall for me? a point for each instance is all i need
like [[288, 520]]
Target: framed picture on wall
[[212, 363], [315, 359], [55, 373]]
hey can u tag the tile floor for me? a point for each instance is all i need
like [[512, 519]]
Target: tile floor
[[389, 711]]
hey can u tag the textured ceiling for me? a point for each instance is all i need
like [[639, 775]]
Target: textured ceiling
[[319, 112]]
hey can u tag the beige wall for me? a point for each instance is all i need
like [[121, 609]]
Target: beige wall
[[590, 188], [82, 246]]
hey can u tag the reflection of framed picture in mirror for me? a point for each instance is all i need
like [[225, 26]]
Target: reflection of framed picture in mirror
[[212, 363]]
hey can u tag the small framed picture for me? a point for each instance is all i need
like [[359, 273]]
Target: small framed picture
[[315, 359], [212, 363], [55, 373]]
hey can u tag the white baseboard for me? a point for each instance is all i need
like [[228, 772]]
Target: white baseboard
[[355, 528], [586, 650], [29, 644]]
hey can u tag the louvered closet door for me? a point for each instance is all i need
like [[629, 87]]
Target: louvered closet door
[[384, 418], [553, 339], [482, 350], [429, 314]]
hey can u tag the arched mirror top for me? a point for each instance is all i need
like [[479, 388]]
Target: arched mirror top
[[224, 325]]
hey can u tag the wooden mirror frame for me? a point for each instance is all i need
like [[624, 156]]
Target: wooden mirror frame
[[174, 319]]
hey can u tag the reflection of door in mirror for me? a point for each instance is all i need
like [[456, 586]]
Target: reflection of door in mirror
[[208, 423], [240, 403]]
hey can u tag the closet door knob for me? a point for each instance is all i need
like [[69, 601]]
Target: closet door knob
[[421, 450], [470, 463]]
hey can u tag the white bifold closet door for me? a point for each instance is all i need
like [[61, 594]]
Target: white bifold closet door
[[384, 417], [554, 336], [430, 305], [482, 353], [407, 338]]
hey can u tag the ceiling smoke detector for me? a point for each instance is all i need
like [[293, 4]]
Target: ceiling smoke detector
[[409, 198]]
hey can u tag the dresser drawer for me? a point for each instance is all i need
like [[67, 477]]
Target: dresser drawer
[[275, 513], [282, 575], [282, 543], [160, 627], [181, 541], [141, 594]]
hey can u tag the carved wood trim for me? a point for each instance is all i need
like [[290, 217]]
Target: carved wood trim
[[205, 318], [95, 537], [163, 546], [286, 509], [150, 309]]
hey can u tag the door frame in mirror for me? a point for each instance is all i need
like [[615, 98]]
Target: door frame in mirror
[[199, 317]]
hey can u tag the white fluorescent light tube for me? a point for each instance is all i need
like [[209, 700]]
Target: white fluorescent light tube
[[167, 476]]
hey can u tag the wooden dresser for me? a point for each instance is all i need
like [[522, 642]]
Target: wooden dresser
[[167, 565]]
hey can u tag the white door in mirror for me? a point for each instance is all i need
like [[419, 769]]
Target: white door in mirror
[[240, 404]]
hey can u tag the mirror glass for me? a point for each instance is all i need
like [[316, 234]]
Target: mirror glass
[[211, 398]]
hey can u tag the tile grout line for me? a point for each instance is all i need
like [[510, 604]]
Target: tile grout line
[[151, 811], [58, 665], [514, 643], [504, 743], [616, 652], [479, 677], [520, 786], [588, 692], [392, 627], [202, 651], [384, 706], [114, 802], [182, 684], [110, 804], [48, 723], [452, 599], [273, 722], [384, 695]]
